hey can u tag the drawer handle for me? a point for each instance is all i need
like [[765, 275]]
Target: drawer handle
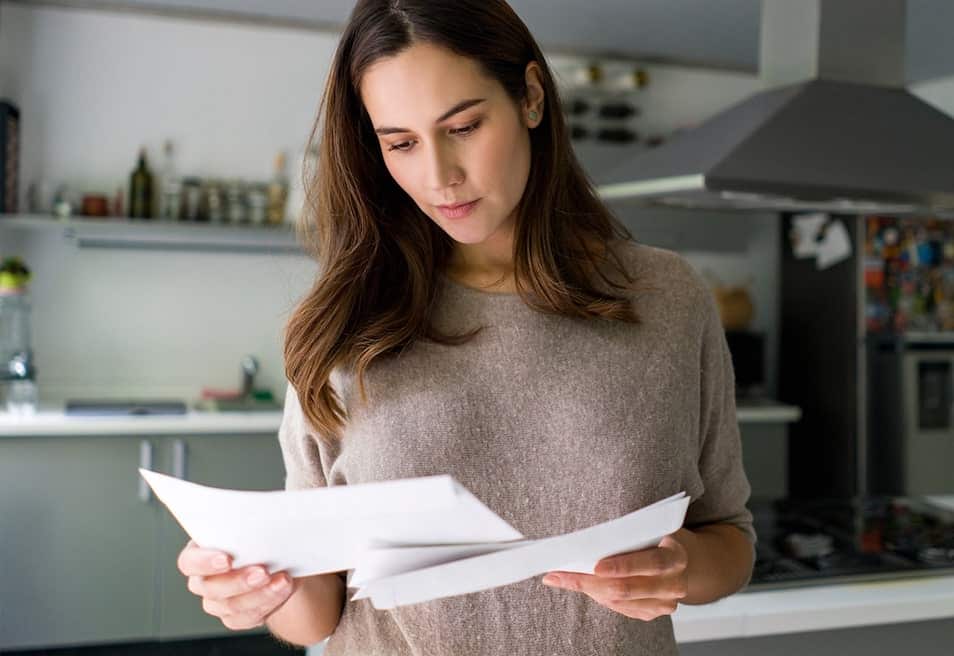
[[145, 462], [180, 459]]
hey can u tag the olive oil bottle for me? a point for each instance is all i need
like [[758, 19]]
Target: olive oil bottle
[[141, 190]]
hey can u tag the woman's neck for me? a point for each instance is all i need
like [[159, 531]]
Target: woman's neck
[[495, 279], [487, 265]]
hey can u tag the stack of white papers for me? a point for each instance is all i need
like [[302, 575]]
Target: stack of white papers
[[407, 541]]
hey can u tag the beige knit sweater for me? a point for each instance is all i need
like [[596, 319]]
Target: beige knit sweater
[[556, 424]]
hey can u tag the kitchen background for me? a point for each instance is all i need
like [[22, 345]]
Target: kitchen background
[[94, 86]]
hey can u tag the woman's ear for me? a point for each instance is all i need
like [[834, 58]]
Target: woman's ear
[[533, 104]]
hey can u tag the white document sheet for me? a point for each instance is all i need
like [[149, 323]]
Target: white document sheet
[[327, 529], [408, 540], [578, 551]]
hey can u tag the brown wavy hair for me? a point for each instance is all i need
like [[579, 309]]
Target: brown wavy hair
[[379, 255]]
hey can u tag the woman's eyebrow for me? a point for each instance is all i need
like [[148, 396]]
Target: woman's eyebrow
[[456, 109]]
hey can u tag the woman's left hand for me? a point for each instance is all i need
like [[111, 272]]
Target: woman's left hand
[[643, 584]]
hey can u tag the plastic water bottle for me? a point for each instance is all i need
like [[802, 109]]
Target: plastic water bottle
[[17, 369]]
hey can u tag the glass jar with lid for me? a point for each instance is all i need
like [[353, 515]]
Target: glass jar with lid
[[17, 369]]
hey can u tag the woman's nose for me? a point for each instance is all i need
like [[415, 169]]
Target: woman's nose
[[444, 171]]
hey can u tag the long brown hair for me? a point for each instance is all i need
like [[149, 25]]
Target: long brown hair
[[379, 255]]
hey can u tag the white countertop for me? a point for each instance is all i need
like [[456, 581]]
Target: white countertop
[[766, 413], [51, 421], [817, 608]]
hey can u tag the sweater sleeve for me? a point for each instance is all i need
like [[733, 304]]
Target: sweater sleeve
[[726, 488], [299, 447], [300, 451]]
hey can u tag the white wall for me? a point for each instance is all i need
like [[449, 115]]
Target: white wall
[[149, 323], [93, 86]]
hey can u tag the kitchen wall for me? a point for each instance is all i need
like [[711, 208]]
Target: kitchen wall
[[95, 86]]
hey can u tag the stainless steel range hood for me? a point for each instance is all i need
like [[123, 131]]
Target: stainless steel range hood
[[836, 130]]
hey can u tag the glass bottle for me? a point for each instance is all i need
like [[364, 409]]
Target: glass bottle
[[17, 370], [170, 195], [212, 207], [277, 192], [141, 190], [191, 199], [305, 167], [256, 199], [235, 202]]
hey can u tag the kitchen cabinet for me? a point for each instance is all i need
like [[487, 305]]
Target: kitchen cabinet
[[77, 546], [247, 462], [84, 558]]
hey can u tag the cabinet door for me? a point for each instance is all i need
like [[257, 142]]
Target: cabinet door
[[246, 462], [78, 547]]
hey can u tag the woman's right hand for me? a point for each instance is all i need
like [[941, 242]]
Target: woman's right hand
[[233, 595]]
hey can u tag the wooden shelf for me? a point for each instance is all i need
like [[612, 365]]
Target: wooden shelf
[[152, 234]]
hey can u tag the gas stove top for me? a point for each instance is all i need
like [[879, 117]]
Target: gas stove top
[[822, 542]]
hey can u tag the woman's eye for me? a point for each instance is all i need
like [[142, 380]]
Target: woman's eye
[[468, 129], [465, 131]]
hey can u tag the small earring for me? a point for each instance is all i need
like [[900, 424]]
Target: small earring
[[533, 115]]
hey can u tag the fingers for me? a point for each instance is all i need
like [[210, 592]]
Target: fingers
[[641, 597], [196, 561], [618, 589], [235, 582], [648, 562], [242, 598], [252, 606]]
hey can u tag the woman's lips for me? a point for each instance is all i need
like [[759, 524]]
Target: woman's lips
[[459, 211]]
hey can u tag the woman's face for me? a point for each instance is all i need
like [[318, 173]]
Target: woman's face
[[451, 135]]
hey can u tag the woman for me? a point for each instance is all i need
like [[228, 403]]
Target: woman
[[480, 313]]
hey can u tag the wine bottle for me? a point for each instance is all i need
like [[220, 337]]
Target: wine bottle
[[140, 190]]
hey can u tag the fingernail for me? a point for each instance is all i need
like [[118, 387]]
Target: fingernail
[[279, 585], [551, 579], [220, 562], [256, 577]]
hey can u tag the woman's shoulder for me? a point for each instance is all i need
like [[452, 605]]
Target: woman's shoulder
[[659, 269]]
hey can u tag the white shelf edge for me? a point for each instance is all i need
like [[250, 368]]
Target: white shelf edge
[[150, 234]]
